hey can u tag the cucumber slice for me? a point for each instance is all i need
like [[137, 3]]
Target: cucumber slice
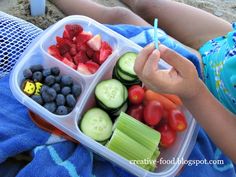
[[126, 63], [125, 77], [110, 93], [122, 109], [96, 124]]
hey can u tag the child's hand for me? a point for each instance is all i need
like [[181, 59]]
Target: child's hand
[[182, 79]]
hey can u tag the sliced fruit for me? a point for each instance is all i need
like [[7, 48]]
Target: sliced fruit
[[95, 42], [54, 51], [81, 57], [69, 63], [96, 124], [83, 37], [105, 52], [82, 68], [68, 56], [92, 66], [72, 30], [62, 45]]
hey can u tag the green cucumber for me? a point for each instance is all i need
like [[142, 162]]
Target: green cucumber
[[126, 63], [110, 93], [96, 124]]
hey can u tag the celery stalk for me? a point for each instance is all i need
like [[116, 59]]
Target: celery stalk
[[138, 131], [128, 148]]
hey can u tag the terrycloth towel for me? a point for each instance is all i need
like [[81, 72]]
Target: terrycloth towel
[[53, 156]]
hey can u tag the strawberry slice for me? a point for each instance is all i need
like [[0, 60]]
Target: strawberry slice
[[69, 63], [73, 51], [71, 31], [83, 37], [53, 50], [68, 56], [96, 57], [92, 66], [90, 52], [63, 45], [80, 57], [83, 47], [105, 52], [83, 69], [95, 42]]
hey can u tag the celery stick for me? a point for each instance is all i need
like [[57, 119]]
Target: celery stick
[[138, 131], [128, 148]]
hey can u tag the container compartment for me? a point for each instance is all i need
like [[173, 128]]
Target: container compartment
[[178, 150], [88, 26]]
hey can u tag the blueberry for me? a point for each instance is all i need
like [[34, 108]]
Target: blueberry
[[60, 100], [66, 80], [38, 99], [55, 71], [66, 90], [56, 87], [35, 68], [58, 79], [49, 80], [62, 110], [27, 73], [50, 106], [37, 76], [70, 100], [49, 95], [47, 72], [76, 90], [43, 88]]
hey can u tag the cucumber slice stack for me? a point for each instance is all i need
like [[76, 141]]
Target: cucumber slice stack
[[124, 70], [111, 95]]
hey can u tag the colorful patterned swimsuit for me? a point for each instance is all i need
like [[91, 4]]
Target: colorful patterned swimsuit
[[219, 66]]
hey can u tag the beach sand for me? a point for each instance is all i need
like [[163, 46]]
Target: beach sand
[[225, 9]]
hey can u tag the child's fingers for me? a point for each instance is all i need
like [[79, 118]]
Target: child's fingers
[[151, 64], [180, 63], [142, 57]]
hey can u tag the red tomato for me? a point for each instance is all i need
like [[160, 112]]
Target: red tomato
[[136, 111], [153, 112], [168, 135], [136, 94], [177, 120]]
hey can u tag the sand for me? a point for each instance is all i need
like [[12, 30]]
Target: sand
[[225, 9]]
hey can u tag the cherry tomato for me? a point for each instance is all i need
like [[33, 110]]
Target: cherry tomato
[[168, 135], [177, 120], [136, 94], [153, 112], [136, 111]]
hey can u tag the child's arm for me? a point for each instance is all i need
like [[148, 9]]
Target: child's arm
[[182, 80]]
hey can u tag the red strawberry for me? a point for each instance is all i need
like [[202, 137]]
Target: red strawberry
[[72, 30], [105, 51], [73, 51], [95, 42], [83, 37], [83, 47], [69, 63], [62, 45], [68, 56], [53, 50], [92, 67], [96, 57], [90, 53], [81, 57], [83, 69]]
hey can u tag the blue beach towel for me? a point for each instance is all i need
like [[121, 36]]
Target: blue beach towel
[[54, 156]]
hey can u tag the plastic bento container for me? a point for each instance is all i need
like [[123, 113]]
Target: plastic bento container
[[37, 54]]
